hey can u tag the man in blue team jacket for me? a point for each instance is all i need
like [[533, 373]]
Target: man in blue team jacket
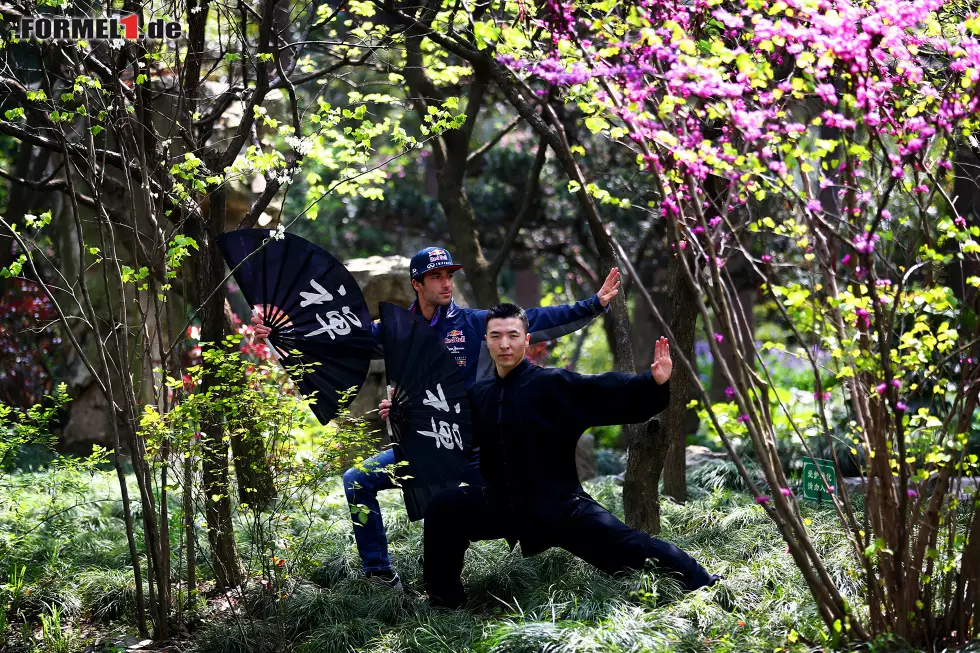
[[462, 329], [526, 421]]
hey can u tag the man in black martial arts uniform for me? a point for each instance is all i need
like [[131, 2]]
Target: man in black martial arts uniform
[[527, 421]]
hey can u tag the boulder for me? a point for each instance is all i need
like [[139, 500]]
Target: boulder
[[88, 422], [585, 457], [381, 279], [696, 456], [968, 489]]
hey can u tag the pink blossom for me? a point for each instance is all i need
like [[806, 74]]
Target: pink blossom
[[719, 337], [786, 491], [846, 259], [901, 406], [912, 493], [864, 243], [729, 392], [766, 258], [862, 320], [762, 500], [881, 388]]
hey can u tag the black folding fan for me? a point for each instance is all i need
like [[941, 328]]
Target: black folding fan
[[321, 327], [430, 414]]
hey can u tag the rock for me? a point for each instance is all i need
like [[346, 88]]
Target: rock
[[127, 643], [697, 456], [367, 400], [968, 489], [382, 279], [585, 457], [88, 421]]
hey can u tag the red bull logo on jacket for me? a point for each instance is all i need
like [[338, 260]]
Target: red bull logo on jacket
[[455, 337]]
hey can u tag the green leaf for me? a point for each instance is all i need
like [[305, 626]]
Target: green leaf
[[596, 124]]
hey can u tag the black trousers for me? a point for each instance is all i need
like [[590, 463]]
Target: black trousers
[[462, 515]]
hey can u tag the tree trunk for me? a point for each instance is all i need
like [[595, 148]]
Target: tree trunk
[[967, 204], [527, 282], [647, 455], [217, 498], [256, 487], [747, 296], [646, 331], [466, 240], [450, 152], [675, 463], [190, 532]]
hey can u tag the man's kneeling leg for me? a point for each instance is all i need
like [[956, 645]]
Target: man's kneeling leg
[[453, 519]]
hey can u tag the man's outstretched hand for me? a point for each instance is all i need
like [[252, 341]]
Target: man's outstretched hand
[[662, 365], [610, 288]]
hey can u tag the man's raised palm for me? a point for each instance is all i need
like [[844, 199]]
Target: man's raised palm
[[610, 288], [662, 365]]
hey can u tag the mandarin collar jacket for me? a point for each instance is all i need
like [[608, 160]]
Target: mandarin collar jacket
[[527, 425]]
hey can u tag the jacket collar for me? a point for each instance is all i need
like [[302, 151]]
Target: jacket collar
[[514, 373], [443, 312]]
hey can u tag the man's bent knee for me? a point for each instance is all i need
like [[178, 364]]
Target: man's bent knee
[[356, 480], [444, 505]]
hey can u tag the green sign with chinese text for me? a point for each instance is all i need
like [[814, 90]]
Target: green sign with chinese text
[[813, 486]]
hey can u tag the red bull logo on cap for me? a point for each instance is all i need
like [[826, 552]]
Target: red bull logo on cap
[[437, 255]]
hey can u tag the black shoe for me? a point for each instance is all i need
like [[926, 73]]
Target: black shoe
[[388, 578], [441, 605]]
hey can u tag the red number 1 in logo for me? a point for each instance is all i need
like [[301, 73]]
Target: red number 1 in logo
[[129, 22]]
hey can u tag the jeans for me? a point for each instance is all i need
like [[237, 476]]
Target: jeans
[[362, 487]]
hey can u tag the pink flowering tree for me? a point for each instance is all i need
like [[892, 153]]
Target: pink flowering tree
[[824, 133]]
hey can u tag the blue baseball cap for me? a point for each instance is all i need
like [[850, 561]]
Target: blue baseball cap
[[429, 259]]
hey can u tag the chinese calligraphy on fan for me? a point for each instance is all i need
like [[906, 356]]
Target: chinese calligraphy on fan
[[337, 323], [444, 434]]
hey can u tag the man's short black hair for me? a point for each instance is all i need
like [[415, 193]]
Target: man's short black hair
[[503, 311]]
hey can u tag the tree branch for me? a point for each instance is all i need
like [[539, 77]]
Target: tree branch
[[478, 153], [258, 93], [530, 194]]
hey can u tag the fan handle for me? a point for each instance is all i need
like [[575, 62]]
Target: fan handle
[[388, 395]]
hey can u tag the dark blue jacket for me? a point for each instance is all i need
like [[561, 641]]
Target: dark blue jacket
[[464, 330]]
